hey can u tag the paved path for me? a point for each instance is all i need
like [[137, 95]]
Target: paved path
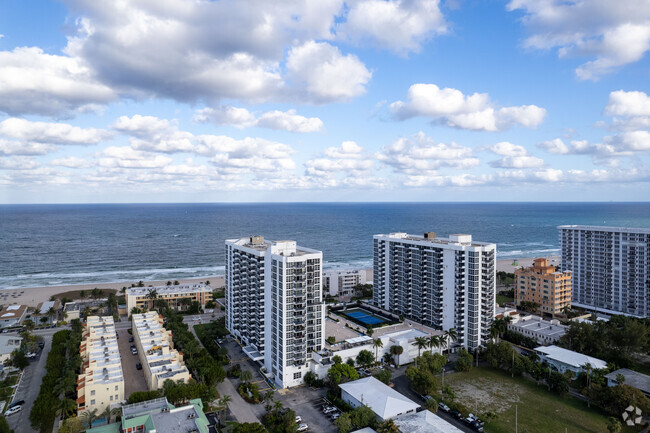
[[29, 388], [241, 410]]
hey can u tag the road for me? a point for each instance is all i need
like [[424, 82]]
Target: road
[[30, 385]]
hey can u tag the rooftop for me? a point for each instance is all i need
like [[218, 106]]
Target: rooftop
[[570, 357], [12, 312], [167, 290], [453, 239], [537, 325], [382, 399], [424, 422], [633, 378], [606, 229]]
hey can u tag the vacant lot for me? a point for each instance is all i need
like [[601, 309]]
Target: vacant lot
[[537, 409]]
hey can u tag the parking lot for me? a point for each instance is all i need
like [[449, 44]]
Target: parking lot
[[308, 404], [133, 378], [237, 356]]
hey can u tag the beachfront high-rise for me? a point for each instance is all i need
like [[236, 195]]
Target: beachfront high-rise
[[543, 285], [274, 304], [440, 282], [610, 266]]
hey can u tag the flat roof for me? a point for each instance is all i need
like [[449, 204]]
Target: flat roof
[[570, 357], [406, 335], [633, 378], [167, 290], [382, 399], [437, 240], [607, 229], [540, 327]]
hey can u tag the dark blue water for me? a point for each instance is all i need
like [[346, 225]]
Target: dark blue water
[[68, 244]]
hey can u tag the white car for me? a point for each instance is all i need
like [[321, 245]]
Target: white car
[[303, 427], [298, 419], [13, 410]]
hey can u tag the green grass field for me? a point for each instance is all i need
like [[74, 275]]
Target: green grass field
[[538, 411], [503, 299]]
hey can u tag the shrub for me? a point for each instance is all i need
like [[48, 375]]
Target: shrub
[[384, 376], [249, 392]]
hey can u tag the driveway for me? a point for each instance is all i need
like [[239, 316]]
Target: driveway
[[308, 404], [29, 387], [133, 378]]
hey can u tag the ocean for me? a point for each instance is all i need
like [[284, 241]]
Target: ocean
[[44, 245]]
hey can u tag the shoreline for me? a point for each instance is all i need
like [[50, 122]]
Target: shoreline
[[32, 296]]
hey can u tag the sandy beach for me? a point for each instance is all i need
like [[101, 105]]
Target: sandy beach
[[35, 295]]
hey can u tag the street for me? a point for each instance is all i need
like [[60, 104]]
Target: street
[[30, 385]]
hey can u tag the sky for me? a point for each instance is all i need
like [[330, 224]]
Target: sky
[[324, 100]]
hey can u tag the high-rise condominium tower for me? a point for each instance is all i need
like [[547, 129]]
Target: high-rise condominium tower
[[611, 267], [274, 304], [441, 282]]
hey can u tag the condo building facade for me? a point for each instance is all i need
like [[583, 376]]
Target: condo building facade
[[176, 296], [543, 285], [101, 382], [160, 361], [274, 304], [610, 268], [440, 282], [341, 282]]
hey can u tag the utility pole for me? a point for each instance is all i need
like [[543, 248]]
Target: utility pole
[[513, 364], [443, 378], [516, 427]]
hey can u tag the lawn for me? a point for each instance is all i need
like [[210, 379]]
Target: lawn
[[503, 299], [537, 409]]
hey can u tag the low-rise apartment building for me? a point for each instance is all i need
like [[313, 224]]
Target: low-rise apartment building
[[341, 282], [543, 285], [160, 361], [12, 315], [101, 382], [543, 331], [563, 360], [159, 416], [177, 297]]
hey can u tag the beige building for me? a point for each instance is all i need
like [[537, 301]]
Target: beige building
[[543, 285], [160, 361], [101, 382], [177, 297]]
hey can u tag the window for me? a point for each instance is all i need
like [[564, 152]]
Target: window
[[92, 392], [111, 398], [116, 387], [297, 375], [92, 402]]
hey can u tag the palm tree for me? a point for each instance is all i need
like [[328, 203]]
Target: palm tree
[[421, 343], [434, 341], [587, 367], [377, 343], [223, 405], [246, 376], [51, 313], [397, 351], [67, 407], [450, 335], [152, 295], [388, 426], [88, 417]]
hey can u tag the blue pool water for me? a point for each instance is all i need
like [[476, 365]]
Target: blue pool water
[[364, 317]]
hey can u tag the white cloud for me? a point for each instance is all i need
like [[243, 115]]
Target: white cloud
[[18, 163], [32, 82], [127, 157], [343, 166], [153, 134], [324, 74], [555, 146], [518, 162], [48, 132], [613, 33], [399, 25], [474, 112], [505, 148], [460, 180], [71, 162], [12, 147], [629, 104], [421, 154], [242, 118]]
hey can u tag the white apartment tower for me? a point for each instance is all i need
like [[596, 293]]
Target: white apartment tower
[[440, 282], [611, 268], [274, 304]]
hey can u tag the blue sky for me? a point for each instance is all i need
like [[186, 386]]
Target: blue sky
[[328, 100]]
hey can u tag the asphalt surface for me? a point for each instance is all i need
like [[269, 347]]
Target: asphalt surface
[[133, 378], [308, 404], [30, 385]]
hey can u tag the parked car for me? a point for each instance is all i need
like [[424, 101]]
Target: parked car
[[456, 414], [477, 426], [134, 351], [427, 397], [335, 416], [138, 366], [41, 344], [302, 427], [443, 407], [31, 355], [16, 403], [298, 419], [329, 409], [130, 339], [13, 410]]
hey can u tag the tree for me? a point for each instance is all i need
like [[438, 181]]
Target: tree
[[434, 342], [376, 344], [246, 376], [358, 418], [450, 335], [383, 376], [421, 343], [4, 426], [369, 331], [140, 396], [336, 359], [223, 406], [88, 417], [464, 361], [331, 340], [388, 426], [365, 358], [613, 425], [397, 351], [152, 295], [250, 427], [71, 425], [350, 362], [339, 373], [29, 324], [18, 359]]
